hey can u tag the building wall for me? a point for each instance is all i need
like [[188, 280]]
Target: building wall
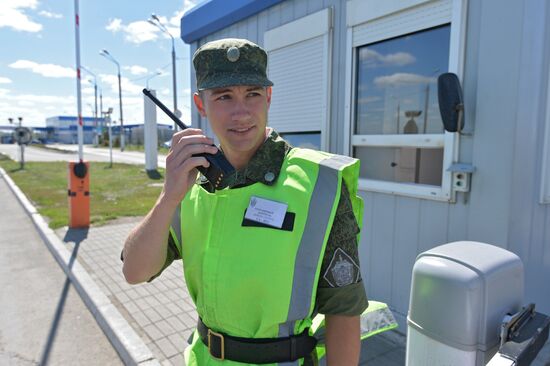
[[504, 81]]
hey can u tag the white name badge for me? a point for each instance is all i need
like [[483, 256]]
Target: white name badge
[[267, 212]]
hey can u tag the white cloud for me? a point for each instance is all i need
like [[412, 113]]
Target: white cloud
[[142, 31], [376, 59], [135, 32], [188, 4], [51, 15], [402, 79], [127, 85], [370, 99], [88, 90], [12, 15], [25, 103], [136, 69], [47, 70], [4, 80], [114, 25], [36, 108]]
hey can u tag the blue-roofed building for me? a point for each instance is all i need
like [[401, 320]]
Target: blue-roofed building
[[359, 78], [64, 129]]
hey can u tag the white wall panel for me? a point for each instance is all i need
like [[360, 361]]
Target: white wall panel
[[381, 252], [299, 95], [407, 219]]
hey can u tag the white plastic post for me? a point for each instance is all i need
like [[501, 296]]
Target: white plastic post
[[150, 133]]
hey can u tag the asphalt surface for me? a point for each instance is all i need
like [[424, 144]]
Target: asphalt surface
[[70, 153], [43, 320]]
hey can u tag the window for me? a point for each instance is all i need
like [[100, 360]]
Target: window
[[299, 66], [396, 53]]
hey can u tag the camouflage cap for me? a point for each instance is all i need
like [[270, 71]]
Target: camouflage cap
[[229, 62]]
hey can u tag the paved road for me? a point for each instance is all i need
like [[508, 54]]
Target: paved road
[[35, 154], [71, 151], [43, 320]]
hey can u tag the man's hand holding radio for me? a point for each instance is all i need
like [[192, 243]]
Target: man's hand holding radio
[[181, 163]]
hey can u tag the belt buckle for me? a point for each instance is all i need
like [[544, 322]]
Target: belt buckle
[[222, 346]]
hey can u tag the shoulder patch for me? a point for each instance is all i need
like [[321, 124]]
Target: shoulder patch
[[342, 270]]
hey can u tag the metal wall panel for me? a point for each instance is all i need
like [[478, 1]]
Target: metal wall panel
[[365, 245], [381, 253], [528, 223], [407, 219], [497, 88]]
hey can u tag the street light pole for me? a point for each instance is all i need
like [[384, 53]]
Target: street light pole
[[108, 56], [96, 138], [156, 22], [174, 80], [120, 107], [101, 110]]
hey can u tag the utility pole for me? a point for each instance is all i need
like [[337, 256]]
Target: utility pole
[[109, 57], [154, 20]]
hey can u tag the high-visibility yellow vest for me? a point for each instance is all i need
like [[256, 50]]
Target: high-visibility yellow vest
[[261, 282]]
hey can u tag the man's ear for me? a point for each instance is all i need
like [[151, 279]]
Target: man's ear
[[199, 104], [268, 91]]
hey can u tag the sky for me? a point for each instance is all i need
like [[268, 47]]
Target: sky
[[38, 59]]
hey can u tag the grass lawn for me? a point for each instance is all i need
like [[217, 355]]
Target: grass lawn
[[124, 190]]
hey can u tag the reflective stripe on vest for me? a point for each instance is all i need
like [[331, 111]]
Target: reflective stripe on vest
[[323, 198], [175, 226]]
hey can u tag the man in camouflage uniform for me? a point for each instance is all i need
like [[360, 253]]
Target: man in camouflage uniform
[[235, 94]]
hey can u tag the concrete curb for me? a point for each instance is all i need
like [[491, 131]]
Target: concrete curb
[[130, 347]]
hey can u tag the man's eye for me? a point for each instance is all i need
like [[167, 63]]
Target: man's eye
[[224, 97], [253, 94]]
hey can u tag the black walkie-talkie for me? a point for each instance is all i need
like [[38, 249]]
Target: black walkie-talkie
[[219, 165]]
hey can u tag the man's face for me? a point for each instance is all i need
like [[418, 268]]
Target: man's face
[[238, 116]]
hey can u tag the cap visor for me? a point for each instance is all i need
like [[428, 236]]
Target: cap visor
[[221, 80]]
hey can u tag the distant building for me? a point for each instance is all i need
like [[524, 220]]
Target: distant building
[[64, 129], [6, 134]]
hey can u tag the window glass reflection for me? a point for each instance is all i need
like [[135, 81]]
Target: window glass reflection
[[311, 140], [397, 83], [401, 164]]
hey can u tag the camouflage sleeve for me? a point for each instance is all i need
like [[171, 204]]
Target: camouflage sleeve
[[340, 290], [172, 254]]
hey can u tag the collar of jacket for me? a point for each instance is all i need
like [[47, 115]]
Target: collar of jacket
[[263, 167]]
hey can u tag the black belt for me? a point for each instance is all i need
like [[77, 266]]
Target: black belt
[[256, 350]]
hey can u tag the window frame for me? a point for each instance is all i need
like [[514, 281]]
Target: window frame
[[360, 13]]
